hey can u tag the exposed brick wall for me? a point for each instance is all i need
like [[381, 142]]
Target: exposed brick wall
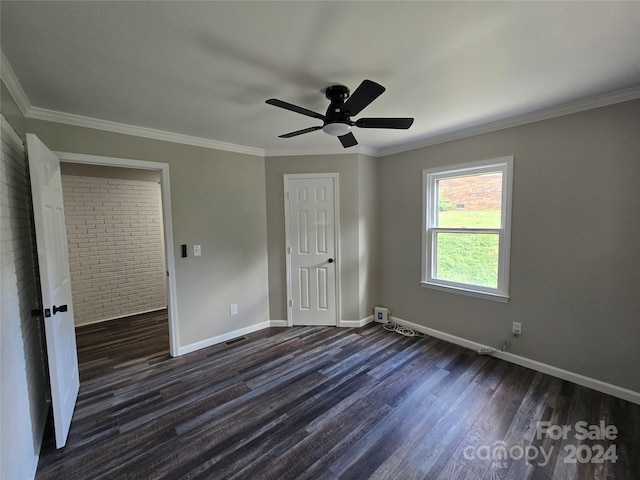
[[24, 383], [116, 251], [477, 192]]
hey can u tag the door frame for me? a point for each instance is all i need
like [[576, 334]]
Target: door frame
[[336, 231], [163, 168]]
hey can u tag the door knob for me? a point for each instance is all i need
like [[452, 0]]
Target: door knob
[[330, 260], [61, 308]]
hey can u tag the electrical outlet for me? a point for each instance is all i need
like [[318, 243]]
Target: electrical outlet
[[233, 309], [517, 328]]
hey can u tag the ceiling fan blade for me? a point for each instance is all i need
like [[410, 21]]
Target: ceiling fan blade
[[294, 108], [348, 140], [366, 93], [402, 123], [300, 132]]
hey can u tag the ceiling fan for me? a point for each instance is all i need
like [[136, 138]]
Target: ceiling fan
[[337, 121]]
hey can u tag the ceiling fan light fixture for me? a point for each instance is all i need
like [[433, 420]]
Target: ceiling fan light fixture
[[336, 129]]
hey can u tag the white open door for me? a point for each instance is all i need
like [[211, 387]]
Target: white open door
[[55, 282], [311, 224]]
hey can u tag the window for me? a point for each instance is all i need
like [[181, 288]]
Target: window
[[466, 234]]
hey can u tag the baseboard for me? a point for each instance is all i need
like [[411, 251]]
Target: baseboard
[[600, 386], [222, 338], [356, 323], [343, 323], [279, 323]]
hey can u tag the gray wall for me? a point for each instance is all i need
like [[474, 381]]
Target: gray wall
[[217, 201], [368, 214], [575, 261]]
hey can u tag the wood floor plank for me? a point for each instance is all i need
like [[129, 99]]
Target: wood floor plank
[[310, 403]]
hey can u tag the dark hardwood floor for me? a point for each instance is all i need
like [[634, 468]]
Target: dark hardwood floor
[[111, 346], [329, 403]]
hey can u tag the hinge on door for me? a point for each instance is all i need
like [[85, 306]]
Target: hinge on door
[[289, 250], [287, 195], [291, 303]]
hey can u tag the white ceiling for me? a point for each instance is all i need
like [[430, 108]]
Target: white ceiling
[[205, 69]]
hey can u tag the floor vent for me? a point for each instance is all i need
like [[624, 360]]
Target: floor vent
[[235, 340]]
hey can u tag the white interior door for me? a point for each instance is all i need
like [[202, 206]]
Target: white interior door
[[55, 282], [311, 228]]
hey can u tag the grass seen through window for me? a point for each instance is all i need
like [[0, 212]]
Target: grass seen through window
[[470, 258]]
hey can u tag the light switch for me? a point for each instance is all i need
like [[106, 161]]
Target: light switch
[[197, 250]]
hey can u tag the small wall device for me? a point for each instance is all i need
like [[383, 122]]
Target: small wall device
[[381, 314]]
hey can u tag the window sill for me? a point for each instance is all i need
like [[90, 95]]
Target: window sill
[[463, 291]]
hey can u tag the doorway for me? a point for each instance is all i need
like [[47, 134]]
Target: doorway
[[163, 170]]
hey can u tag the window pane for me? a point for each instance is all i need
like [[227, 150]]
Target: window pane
[[470, 201], [468, 258]]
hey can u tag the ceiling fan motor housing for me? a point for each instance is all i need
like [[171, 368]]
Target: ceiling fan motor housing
[[337, 122]]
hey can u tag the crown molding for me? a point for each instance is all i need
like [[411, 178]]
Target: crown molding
[[518, 120], [9, 78], [291, 152], [598, 101], [38, 113], [372, 152]]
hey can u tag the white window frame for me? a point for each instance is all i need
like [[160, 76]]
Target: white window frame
[[430, 205]]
